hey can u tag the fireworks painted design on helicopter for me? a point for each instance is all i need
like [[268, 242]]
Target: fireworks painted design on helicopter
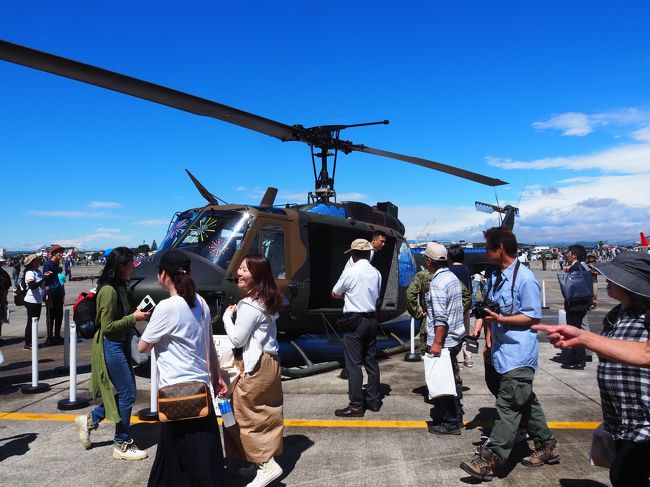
[[205, 227], [216, 247]]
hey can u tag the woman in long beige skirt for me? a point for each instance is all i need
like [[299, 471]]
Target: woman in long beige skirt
[[257, 394]]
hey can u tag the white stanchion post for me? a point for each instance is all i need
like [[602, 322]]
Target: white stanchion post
[[35, 386], [544, 295], [66, 339], [71, 337], [34, 352], [153, 398], [412, 356], [151, 413]]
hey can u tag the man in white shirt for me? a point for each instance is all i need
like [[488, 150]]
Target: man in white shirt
[[359, 287]]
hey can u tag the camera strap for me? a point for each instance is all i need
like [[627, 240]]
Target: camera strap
[[498, 282]]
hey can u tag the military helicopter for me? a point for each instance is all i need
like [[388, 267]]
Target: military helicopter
[[305, 243], [476, 258]]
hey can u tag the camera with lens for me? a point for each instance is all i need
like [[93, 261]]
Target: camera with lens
[[481, 306]]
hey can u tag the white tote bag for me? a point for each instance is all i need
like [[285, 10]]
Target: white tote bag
[[439, 374]]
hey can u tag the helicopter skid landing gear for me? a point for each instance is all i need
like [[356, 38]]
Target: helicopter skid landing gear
[[309, 368]]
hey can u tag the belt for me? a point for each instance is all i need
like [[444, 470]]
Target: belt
[[370, 314]]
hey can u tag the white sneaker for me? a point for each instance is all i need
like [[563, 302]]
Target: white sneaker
[[84, 429], [248, 471], [266, 473], [128, 451]]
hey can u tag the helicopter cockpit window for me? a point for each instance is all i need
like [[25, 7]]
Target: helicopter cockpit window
[[216, 236], [177, 226], [272, 247]]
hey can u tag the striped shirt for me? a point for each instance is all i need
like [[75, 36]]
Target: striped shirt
[[445, 307], [624, 389]]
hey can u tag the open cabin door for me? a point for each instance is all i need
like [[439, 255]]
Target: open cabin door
[[272, 238]]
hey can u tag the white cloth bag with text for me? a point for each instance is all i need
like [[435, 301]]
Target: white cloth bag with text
[[439, 374]]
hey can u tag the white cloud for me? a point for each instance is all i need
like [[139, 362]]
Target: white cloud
[[581, 124], [67, 214], [104, 204], [570, 123], [631, 158], [101, 238], [152, 222], [612, 205], [351, 197]]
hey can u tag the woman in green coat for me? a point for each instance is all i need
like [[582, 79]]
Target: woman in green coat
[[111, 369]]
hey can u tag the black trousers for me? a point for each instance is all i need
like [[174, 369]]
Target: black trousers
[[33, 311], [55, 316], [452, 412], [574, 318], [631, 466], [360, 347]]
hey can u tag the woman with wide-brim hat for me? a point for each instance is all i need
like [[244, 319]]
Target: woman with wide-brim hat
[[34, 279], [623, 388]]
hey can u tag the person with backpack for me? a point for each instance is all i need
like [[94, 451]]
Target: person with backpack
[[110, 365], [34, 280]]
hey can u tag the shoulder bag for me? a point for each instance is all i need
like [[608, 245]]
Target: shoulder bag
[[187, 400], [576, 285], [133, 338]]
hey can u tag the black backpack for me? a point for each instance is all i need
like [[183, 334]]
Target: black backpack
[[20, 292], [84, 313]]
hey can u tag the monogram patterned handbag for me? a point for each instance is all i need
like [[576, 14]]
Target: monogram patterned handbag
[[187, 400]]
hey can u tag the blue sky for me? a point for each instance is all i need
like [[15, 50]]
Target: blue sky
[[553, 97]]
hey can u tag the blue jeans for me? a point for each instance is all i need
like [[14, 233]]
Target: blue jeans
[[123, 379]]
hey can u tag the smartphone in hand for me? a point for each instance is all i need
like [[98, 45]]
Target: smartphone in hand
[[147, 304]]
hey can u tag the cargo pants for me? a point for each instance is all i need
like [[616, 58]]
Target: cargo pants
[[516, 401]]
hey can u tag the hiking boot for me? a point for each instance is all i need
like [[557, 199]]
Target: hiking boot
[[128, 451], [85, 425], [266, 473], [439, 429], [548, 453], [482, 465]]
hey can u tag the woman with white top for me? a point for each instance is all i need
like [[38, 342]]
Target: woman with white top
[[34, 280], [180, 334], [257, 393]]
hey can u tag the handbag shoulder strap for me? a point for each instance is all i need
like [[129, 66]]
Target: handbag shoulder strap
[[205, 328]]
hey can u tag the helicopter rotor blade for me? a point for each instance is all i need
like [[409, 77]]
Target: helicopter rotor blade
[[204, 192], [456, 171], [145, 90]]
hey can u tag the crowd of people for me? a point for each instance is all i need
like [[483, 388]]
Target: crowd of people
[[505, 300]]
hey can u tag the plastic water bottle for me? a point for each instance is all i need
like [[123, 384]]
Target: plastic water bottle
[[226, 412]]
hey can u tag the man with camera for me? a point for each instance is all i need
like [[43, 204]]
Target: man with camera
[[511, 346], [445, 329]]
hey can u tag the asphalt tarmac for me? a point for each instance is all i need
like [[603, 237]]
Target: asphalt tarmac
[[39, 446]]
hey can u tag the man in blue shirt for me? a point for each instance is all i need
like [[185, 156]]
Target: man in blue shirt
[[512, 348], [55, 293]]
